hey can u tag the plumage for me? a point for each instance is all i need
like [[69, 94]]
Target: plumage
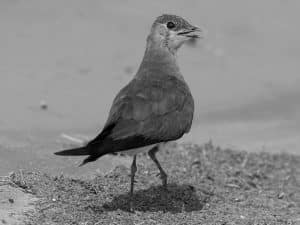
[[145, 112], [155, 107], [75, 151]]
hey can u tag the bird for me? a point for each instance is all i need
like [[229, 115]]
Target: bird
[[155, 107]]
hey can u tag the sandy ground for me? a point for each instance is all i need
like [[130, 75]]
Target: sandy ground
[[207, 185], [15, 204]]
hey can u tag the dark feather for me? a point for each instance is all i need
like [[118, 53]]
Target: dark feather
[[74, 151]]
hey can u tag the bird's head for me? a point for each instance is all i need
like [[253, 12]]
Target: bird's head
[[172, 31]]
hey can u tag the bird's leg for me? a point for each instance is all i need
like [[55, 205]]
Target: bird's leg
[[163, 174], [133, 170]]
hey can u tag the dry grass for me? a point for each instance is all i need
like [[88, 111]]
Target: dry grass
[[207, 185]]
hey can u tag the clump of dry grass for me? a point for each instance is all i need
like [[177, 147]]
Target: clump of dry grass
[[207, 185]]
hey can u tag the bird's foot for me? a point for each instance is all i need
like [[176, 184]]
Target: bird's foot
[[131, 203], [131, 206], [164, 177]]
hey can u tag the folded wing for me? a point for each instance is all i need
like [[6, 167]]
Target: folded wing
[[144, 113]]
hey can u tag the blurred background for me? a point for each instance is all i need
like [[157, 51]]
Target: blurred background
[[63, 61]]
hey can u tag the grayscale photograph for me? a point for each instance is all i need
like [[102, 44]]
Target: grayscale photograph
[[149, 112]]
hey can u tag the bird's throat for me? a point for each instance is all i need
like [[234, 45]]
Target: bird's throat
[[159, 59]]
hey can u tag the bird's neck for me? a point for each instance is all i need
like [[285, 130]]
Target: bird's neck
[[159, 58]]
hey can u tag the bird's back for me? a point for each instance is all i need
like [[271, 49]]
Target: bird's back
[[150, 109]]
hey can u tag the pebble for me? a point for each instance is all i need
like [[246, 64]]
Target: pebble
[[43, 105]]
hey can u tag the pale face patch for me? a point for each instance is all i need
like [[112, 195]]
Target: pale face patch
[[175, 40]]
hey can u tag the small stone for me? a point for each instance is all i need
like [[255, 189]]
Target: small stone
[[11, 200], [281, 195], [43, 105]]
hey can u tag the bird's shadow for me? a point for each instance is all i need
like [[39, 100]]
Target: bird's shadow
[[176, 199]]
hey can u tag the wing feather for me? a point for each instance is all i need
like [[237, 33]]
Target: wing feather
[[147, 112]]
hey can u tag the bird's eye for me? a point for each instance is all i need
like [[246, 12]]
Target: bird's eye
[[170, 25]]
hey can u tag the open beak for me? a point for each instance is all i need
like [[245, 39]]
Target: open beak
[[193, 32]]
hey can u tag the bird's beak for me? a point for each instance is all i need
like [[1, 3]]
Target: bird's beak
[[193, 32]]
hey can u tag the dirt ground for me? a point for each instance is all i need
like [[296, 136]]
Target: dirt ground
[[15, 204], [207, 185]]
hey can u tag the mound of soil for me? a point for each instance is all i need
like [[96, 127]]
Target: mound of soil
[[207, 185]]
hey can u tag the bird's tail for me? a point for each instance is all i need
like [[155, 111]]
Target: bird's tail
[[74, 151]]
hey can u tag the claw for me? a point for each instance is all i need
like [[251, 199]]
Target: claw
[[131, 206], [163, 178]]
